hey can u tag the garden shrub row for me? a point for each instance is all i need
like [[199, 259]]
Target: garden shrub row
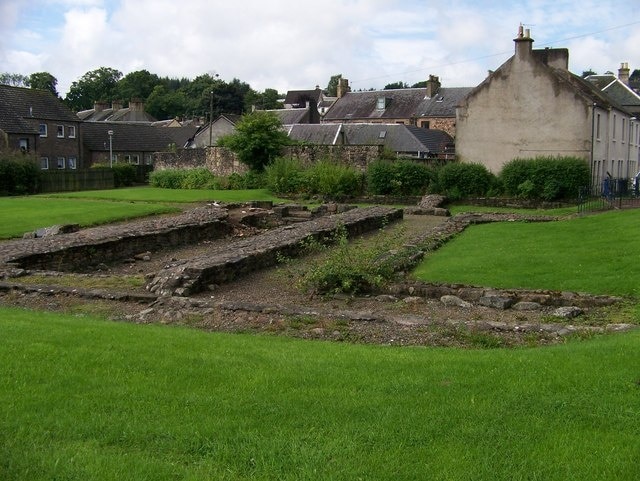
[[544, 178], [19, 174]]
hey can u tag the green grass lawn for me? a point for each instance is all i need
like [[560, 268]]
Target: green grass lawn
[[87, 399], [596, 254], [155, 194], [87, 208], [23, 214]]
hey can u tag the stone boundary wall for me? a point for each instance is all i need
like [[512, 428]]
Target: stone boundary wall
[[222, 162], [86, 249], [261, 251]]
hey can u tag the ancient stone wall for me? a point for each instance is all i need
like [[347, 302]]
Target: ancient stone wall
[[222, 162]]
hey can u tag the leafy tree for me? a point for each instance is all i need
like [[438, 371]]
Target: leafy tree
[[165, 104], [99, 84], [634, 80], [586, 73], [44, 81], [419, 85], [396, 85], [137, 84], [258, 139], [14, 79], [332, 86]]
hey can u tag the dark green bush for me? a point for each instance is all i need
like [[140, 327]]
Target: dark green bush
[[402, 177], [248, 180], [333, 180], [284, 176], [545, 178], [167, 179], [199, 178], [19, 174], [460, 180], [124, 175]]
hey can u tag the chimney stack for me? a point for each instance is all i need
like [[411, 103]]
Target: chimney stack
[[433, 85], [136, 105], [524, 43], [623, 73], [343, 87]]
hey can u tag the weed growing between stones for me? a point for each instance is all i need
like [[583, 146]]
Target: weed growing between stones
[[351, 267]]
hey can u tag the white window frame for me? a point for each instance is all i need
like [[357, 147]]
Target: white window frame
[[136, 159], [43, 130], [23, 144], [71, 129], [60, 131], [44, 163], [60, 163], [72, 163]]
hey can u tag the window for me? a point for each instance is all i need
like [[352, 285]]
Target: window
[[60, 131], [42, 129], [148, 159], [71, 131], [382, 134], [60, 162], [381, 103], [24, 145], [615, 120], [71, 162], [44, 163], [598, 127], [127, 159], [424, 124], [135, 159]]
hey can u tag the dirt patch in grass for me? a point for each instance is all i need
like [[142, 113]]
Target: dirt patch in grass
[[270, 303]]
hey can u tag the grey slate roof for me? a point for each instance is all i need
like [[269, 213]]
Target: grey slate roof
[[299, 98], [443, 103], [399, 104], [133, 137], [18, 104], [116, 115], [396, 137], [617, 91], [291, 116]]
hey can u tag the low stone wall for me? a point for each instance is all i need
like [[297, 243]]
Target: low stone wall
[[258, 252], [86, 249], [222, 162]]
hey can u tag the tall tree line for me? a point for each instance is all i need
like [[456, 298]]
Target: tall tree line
[[164, 97]]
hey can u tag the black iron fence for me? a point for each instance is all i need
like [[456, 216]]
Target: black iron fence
[[609, 194]]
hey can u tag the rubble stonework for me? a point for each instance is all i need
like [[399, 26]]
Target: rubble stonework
[[82, 250], [242, 256]]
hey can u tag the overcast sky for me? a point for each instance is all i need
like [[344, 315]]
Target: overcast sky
[[298, 44]]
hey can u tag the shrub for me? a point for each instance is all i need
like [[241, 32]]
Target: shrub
[[459, 180], [545, 178], [167, 179], [248, 180], [19, 174], [352, 268], [199, 178], [124, 175], [403, 177], [284, 176], [333, 180], [380, 177]]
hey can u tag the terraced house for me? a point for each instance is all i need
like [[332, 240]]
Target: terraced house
[[533, 106], [37, 122]]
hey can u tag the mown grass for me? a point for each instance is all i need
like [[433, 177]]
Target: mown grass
[[155, 194], [558, 211], [595, 254], [87, 399], [88, 208], [23, 214]]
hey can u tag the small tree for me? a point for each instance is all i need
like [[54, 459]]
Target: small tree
[[258, 139]]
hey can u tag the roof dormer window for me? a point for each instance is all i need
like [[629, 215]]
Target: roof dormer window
[[381, 104]]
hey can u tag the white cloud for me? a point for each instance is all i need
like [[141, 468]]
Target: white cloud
[[287, 44]]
